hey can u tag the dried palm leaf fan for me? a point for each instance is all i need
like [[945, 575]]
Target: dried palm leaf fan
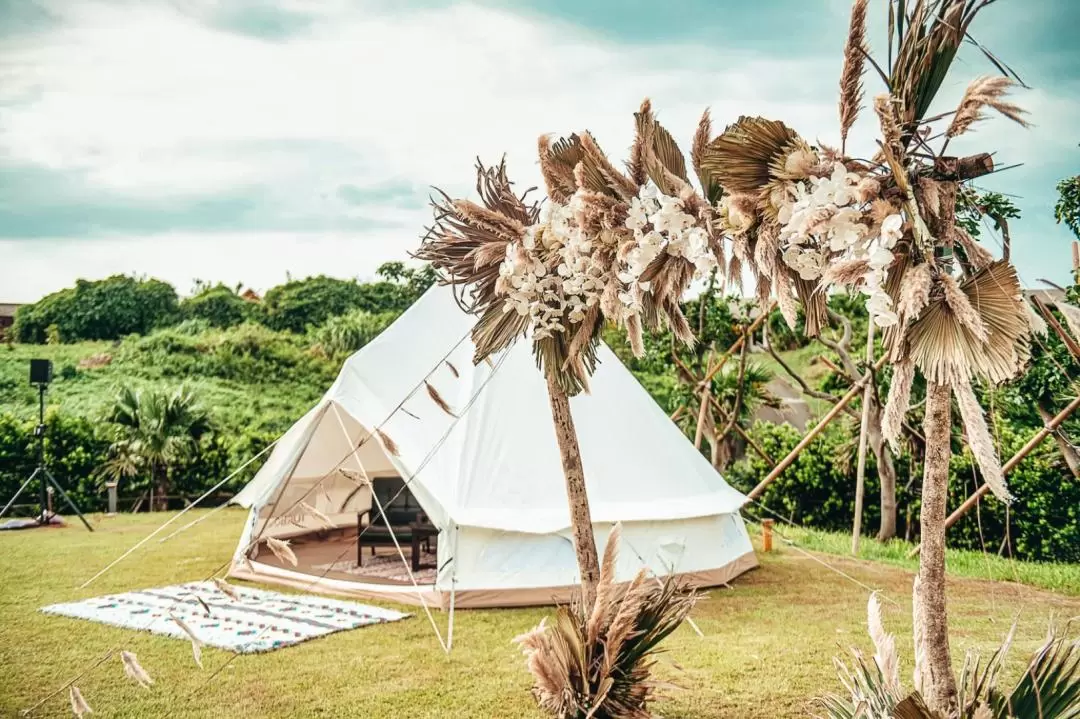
[[949, 350], [740, 158]]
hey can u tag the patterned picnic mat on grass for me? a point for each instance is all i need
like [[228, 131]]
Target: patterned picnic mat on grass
[[259, 621]]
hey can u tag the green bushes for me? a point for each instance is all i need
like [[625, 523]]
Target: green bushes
[[112, 308], [343, 335], [817, 490], [300, 304], [218, 306], [101, 310], [72, 447], [249, 353]]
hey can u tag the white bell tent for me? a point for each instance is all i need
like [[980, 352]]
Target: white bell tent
[[486, 474]]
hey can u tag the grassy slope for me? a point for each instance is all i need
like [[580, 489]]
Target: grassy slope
[[235, 405], [767, 648]]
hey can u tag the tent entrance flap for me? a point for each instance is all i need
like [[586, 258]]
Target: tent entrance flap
[[328, 477]]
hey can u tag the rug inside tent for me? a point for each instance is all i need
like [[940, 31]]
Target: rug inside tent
[[257, 621]]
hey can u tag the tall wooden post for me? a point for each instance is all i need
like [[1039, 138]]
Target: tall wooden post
[[860, 471]]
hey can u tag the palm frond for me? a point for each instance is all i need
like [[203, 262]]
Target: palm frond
[[1049, 688], [658, 143], [597, 661], [948, 351], [739, 159]]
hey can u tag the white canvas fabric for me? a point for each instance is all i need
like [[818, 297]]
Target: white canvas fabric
[[489, 476]]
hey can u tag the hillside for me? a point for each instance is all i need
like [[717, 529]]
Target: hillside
[[263, 398]]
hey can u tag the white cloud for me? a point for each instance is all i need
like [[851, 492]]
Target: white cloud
[[150, 103]]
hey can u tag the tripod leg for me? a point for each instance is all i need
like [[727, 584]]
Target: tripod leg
[[21, 489], [56, 485]]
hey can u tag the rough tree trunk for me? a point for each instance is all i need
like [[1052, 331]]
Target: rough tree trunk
[[1066, 449], [933, 666], [580, 518], [886, 474]]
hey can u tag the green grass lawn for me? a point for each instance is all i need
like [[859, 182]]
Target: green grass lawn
[[768, 645]]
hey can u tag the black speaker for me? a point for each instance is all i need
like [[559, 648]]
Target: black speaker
[[40, 371]]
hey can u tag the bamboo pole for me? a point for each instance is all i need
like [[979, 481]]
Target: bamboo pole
[[738, 343], [706, 393], [745, 435], [860, 471], [1070, 343], [744, 333], [1009, 466], [812, 434]]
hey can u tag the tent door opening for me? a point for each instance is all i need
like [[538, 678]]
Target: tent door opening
[[396, 514]]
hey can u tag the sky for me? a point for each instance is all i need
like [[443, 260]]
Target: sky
[[244, 142]]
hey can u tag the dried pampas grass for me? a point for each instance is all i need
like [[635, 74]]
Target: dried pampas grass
[[977, 255], [890, 128], [984, 92], [851, 91], [898, 403], [202, 603], [281, 550], [311, 511], [388, 444], [785, 300], [962, 308], [79, 707], [846, 272], [227, 589], [884, 645], [1038, 324], [982, 445], [605, 588], [452, 369], [437, 399], [196, 643], [134, 670]]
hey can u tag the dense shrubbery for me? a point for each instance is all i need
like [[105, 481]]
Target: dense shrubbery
[[816, 491], [74, 452], [112, 308], [218, 306], [342, 335], [102, 310], [302, 304], [249, 353]]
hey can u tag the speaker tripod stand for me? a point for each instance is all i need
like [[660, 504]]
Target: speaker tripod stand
[[43, 474]]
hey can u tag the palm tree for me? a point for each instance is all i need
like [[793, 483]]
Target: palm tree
[[154, 431]]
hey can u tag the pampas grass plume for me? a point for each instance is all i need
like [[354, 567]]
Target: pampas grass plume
[[134, 670], [227, 589], [437, 399], [78, 704], [281, 550], [982, 445]]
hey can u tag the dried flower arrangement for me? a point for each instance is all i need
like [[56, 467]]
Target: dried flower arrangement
[[624, 245]]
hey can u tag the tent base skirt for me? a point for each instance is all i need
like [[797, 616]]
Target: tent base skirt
[[464, 598]]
